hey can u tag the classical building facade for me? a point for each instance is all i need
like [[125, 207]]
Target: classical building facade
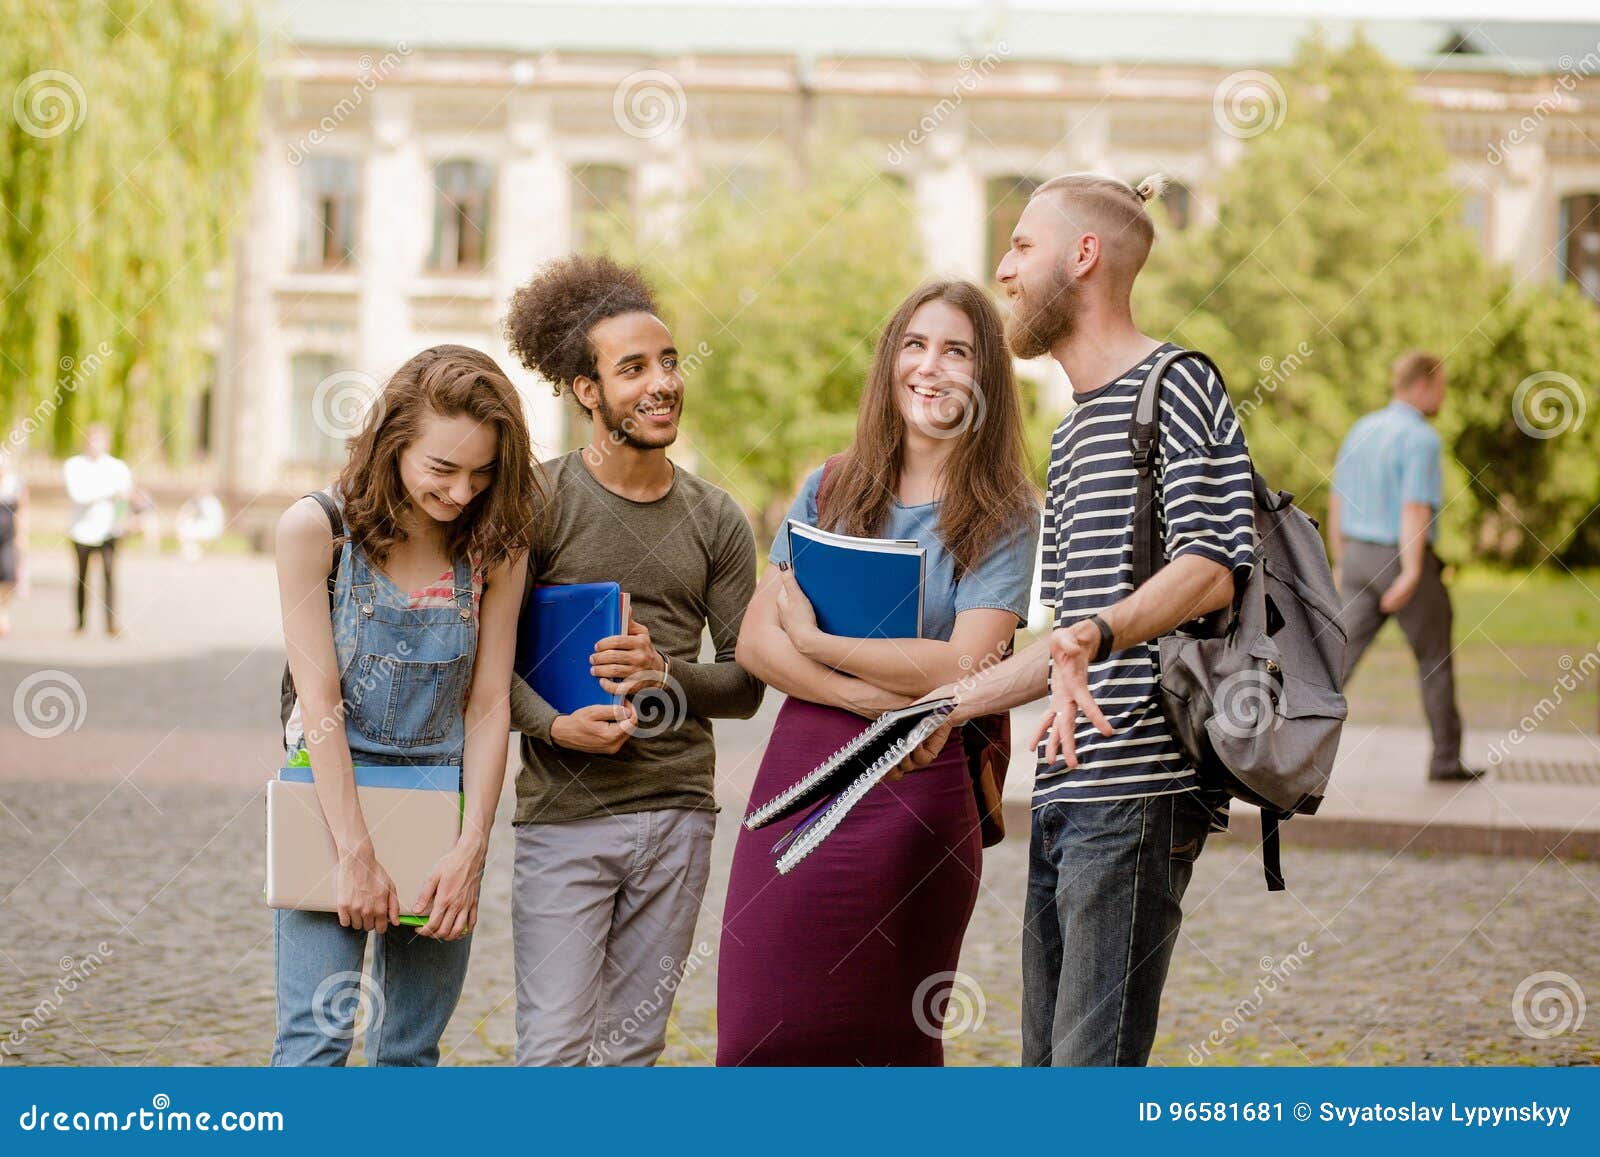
[[407, 183]]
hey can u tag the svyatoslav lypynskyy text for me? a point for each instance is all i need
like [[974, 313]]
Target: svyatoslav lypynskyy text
[[1468, 1116]]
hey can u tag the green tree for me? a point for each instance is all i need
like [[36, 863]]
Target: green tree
[[776, 299], [125, 151], [1338, 244]]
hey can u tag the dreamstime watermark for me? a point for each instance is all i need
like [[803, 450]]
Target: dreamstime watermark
[[649, 103], [1573, 676], [951, 411], [76, 973], [74, 373], [371, 75], [1274, 373], [659, 707], [1276, 974], [1246, 704], [659, 1002], [346, 1003], [948, 1005], [342, 401], [1249, 103], [1548, 404], [1572, 72], [49, 103], [1548, 1004], [966, 83], [370, 677], [49, 703]]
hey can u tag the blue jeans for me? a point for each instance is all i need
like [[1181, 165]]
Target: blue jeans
[[407, 1001], [1105, 880]]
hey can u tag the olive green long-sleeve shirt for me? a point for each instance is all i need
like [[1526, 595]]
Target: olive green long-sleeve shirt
[[687, 561]]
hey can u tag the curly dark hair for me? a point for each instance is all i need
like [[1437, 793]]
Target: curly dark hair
[[551, 316]]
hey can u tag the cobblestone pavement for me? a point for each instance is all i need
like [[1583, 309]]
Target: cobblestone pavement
[[131, 863]]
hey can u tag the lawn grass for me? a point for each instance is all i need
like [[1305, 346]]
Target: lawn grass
[[1516, 635]]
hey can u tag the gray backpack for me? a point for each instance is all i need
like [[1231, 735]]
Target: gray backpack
[[1255, 698]]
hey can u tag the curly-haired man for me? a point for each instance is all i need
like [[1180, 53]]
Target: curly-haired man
[[615, 805]]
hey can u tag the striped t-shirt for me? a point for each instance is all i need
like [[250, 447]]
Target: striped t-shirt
[[1203, 472]]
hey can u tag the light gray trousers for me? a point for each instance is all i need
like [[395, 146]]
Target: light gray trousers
[[1367, 569], [603, 912]]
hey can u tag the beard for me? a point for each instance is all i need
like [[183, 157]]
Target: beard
[[1037, 324], [625, 429]]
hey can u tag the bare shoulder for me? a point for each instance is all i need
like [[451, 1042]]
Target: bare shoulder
[[304, 528]]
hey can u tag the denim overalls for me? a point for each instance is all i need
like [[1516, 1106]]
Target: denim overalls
[[403, 674]]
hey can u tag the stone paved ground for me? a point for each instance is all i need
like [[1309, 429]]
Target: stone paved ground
[[131, 927]]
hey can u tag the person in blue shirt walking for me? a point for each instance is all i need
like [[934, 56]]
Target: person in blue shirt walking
[[1386, 493]]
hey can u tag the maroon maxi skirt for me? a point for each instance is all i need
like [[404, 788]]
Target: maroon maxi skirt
[[847, 960]]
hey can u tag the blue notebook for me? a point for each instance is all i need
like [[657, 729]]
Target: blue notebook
[[862, 588], [556, 636]]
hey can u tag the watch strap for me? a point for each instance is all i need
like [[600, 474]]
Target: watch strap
[[1107, 639]]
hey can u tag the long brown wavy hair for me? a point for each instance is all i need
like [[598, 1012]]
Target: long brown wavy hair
[[987, 492], [447, 380]]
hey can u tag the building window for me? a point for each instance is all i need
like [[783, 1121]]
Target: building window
[[1005, 198], [461, 215], [314, 440], [1580, 244], [330, 198], [602, 205]]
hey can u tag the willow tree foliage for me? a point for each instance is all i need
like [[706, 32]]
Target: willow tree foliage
[[126, 133]]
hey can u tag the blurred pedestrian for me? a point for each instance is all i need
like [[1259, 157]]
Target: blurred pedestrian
[[13, 537], [1387, 492], [100, 487]]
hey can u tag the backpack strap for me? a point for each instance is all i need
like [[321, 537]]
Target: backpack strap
[[1144, 439], [336, 521], [1271, 863]]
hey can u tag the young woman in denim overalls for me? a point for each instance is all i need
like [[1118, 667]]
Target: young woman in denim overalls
[[408, 662]]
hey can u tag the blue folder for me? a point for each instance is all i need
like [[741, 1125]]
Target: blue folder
[[861, 588], [556, 636]]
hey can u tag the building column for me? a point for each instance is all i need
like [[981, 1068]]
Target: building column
[[535, 226], [950, 205], [396, 226]]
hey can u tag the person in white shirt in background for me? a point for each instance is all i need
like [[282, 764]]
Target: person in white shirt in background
[[200, 521], [99, 486], [13, 537]]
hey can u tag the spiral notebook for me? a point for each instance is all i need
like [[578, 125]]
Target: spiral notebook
[[840, 781]]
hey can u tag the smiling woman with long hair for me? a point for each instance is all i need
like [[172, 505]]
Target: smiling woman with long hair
[[408, 662], [842, 962]]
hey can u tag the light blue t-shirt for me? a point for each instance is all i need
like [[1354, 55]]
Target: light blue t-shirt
[[1003, 580], [1389, 458]]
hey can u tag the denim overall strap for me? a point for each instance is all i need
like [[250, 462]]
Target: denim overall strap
[[410, 667]]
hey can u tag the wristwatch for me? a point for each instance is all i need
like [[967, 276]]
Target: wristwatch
[[1103, 651]]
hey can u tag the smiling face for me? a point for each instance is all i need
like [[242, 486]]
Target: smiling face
[[1046, 297], [639, 398], [449, 464], [934, 386]]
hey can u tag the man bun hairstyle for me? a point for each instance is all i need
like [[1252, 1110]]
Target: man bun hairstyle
[[550, 318], [1113, 210], [1152, 187]]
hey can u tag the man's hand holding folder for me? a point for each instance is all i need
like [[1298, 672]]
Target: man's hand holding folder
[[600, 729]]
